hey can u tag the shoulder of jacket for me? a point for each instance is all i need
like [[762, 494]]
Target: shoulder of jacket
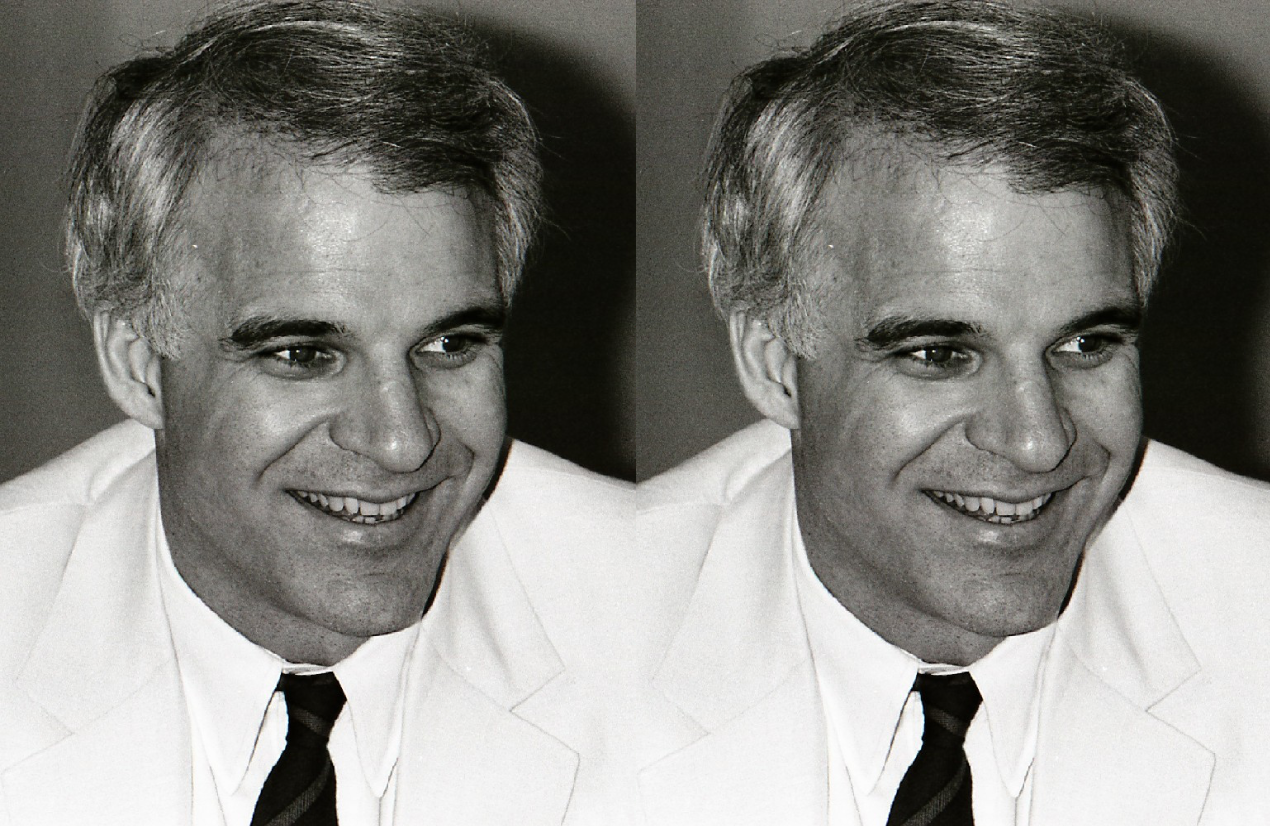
[[1173, 479], [80, 475], [715, 476], [533, 478]]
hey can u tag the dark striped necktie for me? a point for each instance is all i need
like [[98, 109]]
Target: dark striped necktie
[[936, 789], [300, 791]]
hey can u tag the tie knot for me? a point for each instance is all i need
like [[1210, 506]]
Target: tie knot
[[313, 701], [949, 700]]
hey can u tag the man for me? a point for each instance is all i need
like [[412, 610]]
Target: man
[[308, 579], [946, 581]]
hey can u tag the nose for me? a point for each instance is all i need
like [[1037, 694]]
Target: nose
[[1021, 419], [388, 421]]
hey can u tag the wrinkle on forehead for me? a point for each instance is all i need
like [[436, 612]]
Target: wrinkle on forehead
[[253, 209], [872, 221], [251, 169]]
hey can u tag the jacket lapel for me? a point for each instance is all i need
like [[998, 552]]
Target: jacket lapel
[[1119, 658], [740, 668], [466, 756], [104, 668], [129, 766], [466, 760]]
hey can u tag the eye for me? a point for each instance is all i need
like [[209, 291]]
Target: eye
[[448, 345], [936, 361], [300, 361], [454, 349], [1088, 349]]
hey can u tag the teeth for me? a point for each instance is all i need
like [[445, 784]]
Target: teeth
[[357, 510], [994, 510]]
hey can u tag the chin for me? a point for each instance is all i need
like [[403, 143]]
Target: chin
[[1002, 627], [365, 613], [1000, 615]]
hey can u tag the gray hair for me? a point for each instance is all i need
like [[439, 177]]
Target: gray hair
[[409, 96], [971, 83]]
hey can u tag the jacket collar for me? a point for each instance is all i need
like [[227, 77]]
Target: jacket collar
[[106, 677], [488, 655], [1120, 658], [1119, 624], [465, 759], [742, 634], [740, 668], [482, 622], [80, 668]]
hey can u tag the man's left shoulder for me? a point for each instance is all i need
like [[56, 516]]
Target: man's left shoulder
[[1205, 533], [569, 535], [559, 521], [1191, 495], [542, 487]]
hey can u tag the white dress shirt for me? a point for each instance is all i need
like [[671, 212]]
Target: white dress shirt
[[875, 719], [238, 721]]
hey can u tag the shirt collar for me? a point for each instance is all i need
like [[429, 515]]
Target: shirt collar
[[1009, 678], [228, 705], [864, 705], [374, 680]]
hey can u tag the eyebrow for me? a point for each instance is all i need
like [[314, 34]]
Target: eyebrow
[[893, 331], [1125, 317], [257, 331]]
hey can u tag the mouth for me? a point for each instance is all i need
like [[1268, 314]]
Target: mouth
[[357, 511], [994, 511]]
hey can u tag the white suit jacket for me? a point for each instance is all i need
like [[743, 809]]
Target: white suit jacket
[[504, 711], [1155, 705]]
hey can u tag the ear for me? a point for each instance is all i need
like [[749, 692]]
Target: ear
[[767, 367], [130, 366]]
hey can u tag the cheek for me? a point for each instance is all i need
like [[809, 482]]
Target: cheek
[[283, 413], [854, 451], [470, 404], [238, 426], [1107, 409], [883, 425]]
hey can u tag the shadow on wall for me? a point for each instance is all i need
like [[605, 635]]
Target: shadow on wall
[[1198, 365], [565, 383]]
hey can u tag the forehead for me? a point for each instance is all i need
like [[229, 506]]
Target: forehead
[[965, 245], [283, 239]]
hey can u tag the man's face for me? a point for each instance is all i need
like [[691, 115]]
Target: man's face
[[974, 408], [337, 409]]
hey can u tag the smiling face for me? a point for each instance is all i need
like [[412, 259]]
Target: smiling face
[[973, 409], [336, 410]]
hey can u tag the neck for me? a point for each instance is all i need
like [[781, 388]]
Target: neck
[[930, 638], [294, 639]]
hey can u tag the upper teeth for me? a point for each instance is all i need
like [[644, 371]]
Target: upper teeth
[[358, 510], [994, 510]]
